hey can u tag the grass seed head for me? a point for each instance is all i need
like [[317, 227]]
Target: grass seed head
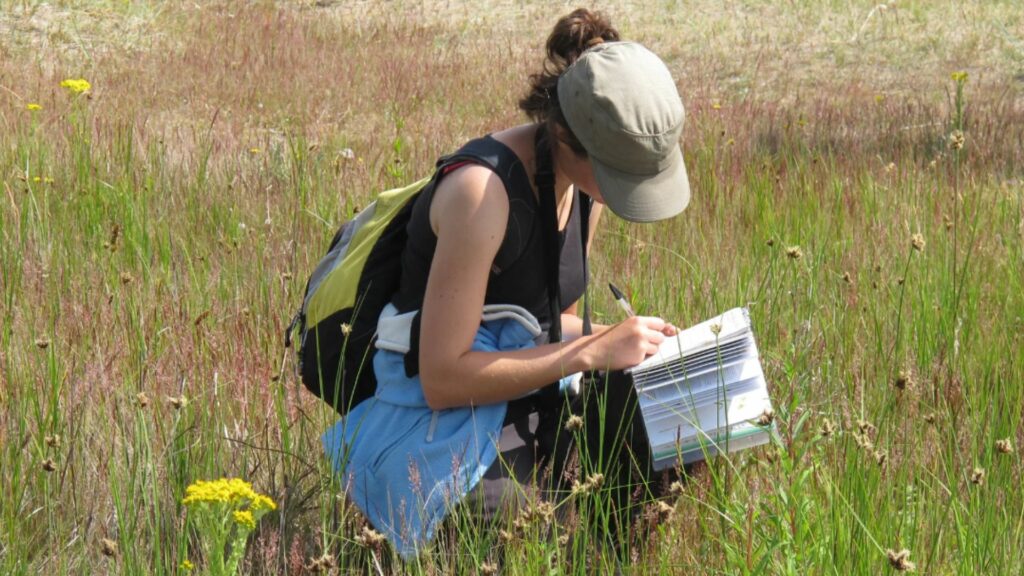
[[881, 456], [323, 565], [369, 538], [126, 278], [201, 317], [794, 252], [978, 476], [1004, 446], [865, 427], [545, 511], [115, 234], [904, 380], [42, 343], [864, 441], [917, 242], [53, 441], [715, 328], [488, 569], [141, 400], [49, 465], [930, 418], [827, 428], [574, 423], [108, 547], [766, 418], [677, 488], [662, 511], [900, 561], [956, 140], [178, 402], [847, 278]]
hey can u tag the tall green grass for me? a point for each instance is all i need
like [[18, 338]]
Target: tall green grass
[[155, 238]]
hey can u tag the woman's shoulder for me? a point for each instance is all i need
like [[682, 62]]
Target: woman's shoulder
[[471, 197]]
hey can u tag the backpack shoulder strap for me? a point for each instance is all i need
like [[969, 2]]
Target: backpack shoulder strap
[[493, 154], [586, 205]]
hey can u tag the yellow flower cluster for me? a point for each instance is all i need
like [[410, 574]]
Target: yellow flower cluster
[[32, 106], [76, 85], [244, 518], [228, 490], [959, 77]]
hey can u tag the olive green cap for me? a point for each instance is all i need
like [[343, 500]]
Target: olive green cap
[[622, 104]]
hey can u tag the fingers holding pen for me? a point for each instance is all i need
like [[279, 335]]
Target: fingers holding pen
[[627, 343]]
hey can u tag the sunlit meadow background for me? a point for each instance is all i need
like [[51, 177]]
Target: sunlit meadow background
[[156, 234]]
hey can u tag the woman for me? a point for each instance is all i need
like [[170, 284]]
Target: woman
[[606, 121]]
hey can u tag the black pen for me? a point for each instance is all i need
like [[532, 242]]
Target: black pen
[[621, 299]]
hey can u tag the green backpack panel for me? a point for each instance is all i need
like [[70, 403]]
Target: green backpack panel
[[344, 298]]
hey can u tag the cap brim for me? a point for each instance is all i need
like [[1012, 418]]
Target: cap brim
[[645, 198]]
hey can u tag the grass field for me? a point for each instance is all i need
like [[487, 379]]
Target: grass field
[[156, 232]]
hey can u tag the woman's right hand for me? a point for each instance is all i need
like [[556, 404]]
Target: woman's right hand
[[626, 344]]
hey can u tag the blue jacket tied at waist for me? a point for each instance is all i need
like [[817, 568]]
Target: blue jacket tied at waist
[[404, 464]]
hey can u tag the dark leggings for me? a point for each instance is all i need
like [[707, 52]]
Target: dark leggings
[[518, 475]]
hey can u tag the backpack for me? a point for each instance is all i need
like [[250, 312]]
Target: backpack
[[361, 272]]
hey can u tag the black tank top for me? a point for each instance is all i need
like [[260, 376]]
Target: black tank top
[[517, 275]]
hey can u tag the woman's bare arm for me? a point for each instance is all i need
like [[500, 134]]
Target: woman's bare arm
[[469, 215]]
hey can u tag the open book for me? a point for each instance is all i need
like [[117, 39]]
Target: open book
[[704, 392]]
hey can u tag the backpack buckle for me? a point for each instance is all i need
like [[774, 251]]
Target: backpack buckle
[[296, 320]]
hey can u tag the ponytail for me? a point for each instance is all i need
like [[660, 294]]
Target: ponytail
[[572, 35]]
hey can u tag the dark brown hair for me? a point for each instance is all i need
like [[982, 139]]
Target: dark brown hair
[[572, 35]]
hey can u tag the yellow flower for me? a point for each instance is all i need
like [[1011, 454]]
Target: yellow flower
[[716, 106], [244, 518], [227, 490], [187, 566], [261, 502], [34, 107], [254, 150], [76, 85], [959, 77]]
